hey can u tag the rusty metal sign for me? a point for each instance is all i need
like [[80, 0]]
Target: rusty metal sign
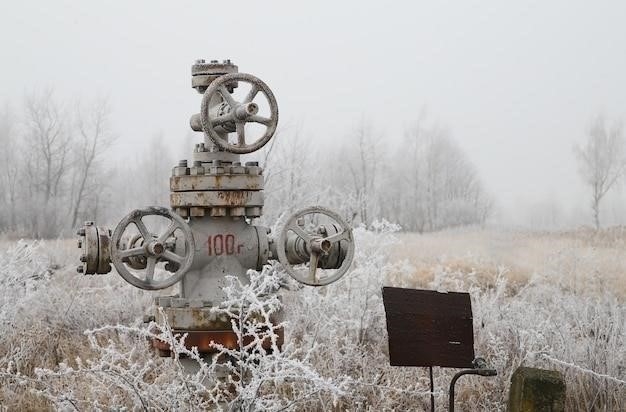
[[429, 328]]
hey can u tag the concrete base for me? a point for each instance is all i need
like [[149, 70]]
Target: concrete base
[[536, 390]]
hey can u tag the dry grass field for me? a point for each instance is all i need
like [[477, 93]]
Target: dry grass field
[[551, 300], [585, 260]]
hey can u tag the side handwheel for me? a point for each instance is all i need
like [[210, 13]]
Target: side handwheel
[[153, 249], [239, 113], [315, 245]]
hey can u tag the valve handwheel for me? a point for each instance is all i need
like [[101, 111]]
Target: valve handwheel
[[317, 246], [154, 249], [240, 113]]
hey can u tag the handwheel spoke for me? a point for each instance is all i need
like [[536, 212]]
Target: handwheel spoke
[[142, 228], [227, 97], [343, 235], [225, 118], [241, 133], [251, 94], [150, 268], [300, 232], [172, 257], [138, 251], [260, 119], [170, 230], [313, 267]]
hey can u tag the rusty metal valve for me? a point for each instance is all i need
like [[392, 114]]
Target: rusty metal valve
[[234, 115], [154, 248], [327, 246]]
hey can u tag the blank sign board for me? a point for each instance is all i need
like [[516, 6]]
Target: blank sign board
[[429, 328]]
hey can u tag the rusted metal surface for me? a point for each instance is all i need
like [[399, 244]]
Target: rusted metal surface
[[182, 314], [205, 340], [188, 318], [216, 182], [429, 328], [217, 198]]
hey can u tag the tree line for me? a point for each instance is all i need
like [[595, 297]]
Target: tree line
[[58, 168], [424, 181]]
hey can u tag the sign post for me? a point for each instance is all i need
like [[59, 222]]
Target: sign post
[[429, 328]]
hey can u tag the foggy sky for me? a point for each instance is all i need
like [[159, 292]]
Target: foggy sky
[[516, 83]]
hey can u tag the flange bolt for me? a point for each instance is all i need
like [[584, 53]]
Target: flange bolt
[[80, 269]]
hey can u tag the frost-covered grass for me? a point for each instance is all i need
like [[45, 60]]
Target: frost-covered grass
[[546, 300]]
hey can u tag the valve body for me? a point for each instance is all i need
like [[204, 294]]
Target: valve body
[[213, 201]]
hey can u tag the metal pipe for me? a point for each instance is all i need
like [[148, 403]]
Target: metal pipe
[[481, 372]]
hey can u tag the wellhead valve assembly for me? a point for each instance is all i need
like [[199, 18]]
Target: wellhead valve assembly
[[208, 231]]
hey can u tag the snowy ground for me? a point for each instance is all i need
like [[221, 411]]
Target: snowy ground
[[553, 300]]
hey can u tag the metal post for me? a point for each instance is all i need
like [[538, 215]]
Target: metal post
[[432, 390]]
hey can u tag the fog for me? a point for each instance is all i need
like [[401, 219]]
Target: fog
[[516, 85]]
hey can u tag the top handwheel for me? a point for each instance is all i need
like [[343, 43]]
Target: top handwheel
[[237, 113]]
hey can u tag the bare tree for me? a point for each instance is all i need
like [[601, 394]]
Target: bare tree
[[363, 165], [432, 184], [155, 167], [95, 137], [602, 161], [47, 141], [289, 174], [9, 168]]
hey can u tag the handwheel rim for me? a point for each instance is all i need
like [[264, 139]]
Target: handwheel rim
[[121, 266], [217, 87], [339, 272]]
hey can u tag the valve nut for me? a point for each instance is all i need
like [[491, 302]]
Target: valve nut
[[197, 169], [218, 211], [180, 171], [237, 169], [253, 170], [83, 258], [254, 211], [237, 211]]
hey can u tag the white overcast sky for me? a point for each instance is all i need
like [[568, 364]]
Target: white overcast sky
[[516, 82]]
